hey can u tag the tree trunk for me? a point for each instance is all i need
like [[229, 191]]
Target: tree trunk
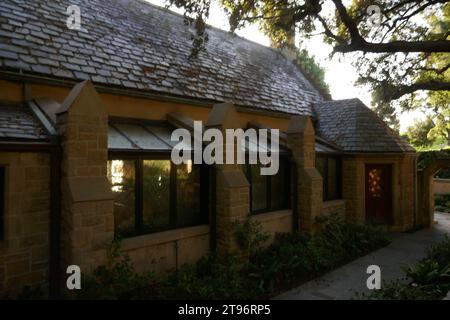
[[448, 137]]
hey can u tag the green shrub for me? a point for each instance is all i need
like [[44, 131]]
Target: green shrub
[[210, 278], [115, 280], [296, 258], [442, 202], [399, 290], [439, 252], [430, 274], [249, 235]]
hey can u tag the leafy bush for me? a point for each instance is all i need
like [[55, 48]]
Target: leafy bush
[[442, 202], [249, 235], [210, 278], [439, 252], [115, 280], [295, 257], [429, 273], [398, 290]]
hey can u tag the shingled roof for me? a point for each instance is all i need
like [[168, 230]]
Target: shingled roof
[[356, 128], [135, 45], [18, 123]]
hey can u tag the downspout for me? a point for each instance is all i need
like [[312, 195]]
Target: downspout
[[295, 222], [213, 218], [55, 222], [55, 152]]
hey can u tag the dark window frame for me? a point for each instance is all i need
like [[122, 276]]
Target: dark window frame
[[287, 201], [138, 158], [2, 201], [326, 196]]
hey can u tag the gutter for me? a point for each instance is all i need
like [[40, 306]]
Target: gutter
[[136, 93]]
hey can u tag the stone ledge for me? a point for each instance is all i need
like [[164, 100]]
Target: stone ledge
[[333, 203], [273, 215], [152, 239]]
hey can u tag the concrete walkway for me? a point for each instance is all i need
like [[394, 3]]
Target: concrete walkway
[[344, 282]]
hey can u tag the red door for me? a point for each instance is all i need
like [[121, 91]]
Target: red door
[[379, 193]]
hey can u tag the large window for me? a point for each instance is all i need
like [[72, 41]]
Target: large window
[[152, 195], [2, 203], [271, 192], [330, 169]]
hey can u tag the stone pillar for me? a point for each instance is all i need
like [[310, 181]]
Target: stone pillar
[[301, 141], [87, 208], [232, 187]]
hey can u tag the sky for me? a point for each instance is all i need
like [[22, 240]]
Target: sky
[[339, 73]]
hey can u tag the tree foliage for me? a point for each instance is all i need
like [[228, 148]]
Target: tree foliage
[[312, 70], [402, 51], [417, 133]]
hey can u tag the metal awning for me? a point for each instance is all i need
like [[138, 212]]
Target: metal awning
[[144, 137], [124, 136], [323, 148]]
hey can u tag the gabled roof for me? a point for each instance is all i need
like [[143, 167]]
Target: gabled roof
[[356, 128], [135, 45], [17, 123]]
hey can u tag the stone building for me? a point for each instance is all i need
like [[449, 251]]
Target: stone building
[[86, 118]]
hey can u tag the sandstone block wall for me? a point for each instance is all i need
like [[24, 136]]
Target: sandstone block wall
[[24, 254]]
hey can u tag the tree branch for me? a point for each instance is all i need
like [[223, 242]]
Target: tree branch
[[358, 43], [432, 85], [396, 46]]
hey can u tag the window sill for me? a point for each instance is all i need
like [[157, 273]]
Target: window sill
[[164, 237], [334, 202], [267, 216]]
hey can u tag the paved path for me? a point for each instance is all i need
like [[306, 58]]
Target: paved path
[[344, 282]]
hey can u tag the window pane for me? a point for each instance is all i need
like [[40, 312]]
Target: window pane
[[156, 194], [2, 203], [321, 164], [121, 174], [188, 195], [258, 188], [332, 179], [279, 187]]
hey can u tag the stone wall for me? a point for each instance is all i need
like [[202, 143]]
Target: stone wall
[[441, 186], [167, 251], [334, 207], [24, 255], [275, 222]]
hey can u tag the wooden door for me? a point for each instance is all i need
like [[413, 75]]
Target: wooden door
[[379, 193]]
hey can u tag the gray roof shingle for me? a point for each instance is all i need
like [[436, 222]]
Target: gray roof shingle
[[356, 128], [135, 45], [132, 44], [18, 123]]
